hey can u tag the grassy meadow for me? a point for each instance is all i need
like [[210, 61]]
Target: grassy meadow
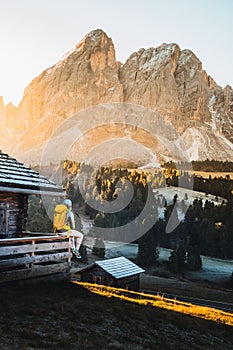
[[63, 315]]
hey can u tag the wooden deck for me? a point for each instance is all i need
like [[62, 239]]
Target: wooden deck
[[33, 257]]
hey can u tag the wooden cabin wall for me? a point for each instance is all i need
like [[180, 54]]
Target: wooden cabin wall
[[95, 274], [130, 282], [14, 207]]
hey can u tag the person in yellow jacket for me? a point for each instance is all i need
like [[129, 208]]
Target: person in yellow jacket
[[76, 236]]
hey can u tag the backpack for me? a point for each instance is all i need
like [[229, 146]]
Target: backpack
[[59, 218]]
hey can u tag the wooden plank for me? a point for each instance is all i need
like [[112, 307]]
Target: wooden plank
[[33, 272], [30, 191], [33, 248], [12, 223], [28, 239], [28, 233], [34, 259], [7, 217]]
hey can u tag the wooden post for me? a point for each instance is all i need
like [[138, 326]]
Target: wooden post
[[7, 216], [32, 253], [69, 250]]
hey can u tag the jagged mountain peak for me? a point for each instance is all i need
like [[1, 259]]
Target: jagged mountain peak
[[164, 78], [95, 39], [93, 43], [154, 56], [96, 35], [187, 56]]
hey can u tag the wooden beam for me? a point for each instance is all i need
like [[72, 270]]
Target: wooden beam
[[34, 259], [29, 191], [30, 248], [33, 234], [52, 237]]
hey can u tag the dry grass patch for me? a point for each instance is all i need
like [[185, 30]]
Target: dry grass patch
[[204, 312], [66, 316]]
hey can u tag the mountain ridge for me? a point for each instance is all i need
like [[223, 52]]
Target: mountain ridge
[[165, 79]]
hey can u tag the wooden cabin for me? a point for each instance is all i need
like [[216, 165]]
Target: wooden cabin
[[117, 272], [34, 255], [17, 182]]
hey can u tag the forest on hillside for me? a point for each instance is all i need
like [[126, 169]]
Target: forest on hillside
[[206, 228], [205, 165]]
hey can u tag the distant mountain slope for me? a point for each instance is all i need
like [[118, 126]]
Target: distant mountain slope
[[164, 79]]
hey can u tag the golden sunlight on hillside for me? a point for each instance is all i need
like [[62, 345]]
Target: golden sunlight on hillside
[[204, 312]]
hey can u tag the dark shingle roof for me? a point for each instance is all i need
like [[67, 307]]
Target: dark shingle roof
[[14, 174]]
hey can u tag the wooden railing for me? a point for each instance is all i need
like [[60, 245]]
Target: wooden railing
[[29, 257]]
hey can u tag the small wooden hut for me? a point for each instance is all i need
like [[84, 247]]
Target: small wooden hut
[[117, 272], [17, 182], [33, 255]]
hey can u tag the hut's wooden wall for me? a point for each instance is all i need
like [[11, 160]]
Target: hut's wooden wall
[[130, 282], [95, 274], [13, 213]]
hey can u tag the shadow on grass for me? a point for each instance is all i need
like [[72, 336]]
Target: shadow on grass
[[61, 315]]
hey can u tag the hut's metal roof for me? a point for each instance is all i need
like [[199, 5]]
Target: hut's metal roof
[[16, 175], [119, 267]]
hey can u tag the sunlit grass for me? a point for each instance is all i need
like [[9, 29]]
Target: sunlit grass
[[204, 312]]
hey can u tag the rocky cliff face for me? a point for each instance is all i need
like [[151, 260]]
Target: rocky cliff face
[[88, 75], [165, 79], [174, 81]]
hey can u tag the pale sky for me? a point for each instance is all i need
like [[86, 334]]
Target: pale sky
[[35, 34]]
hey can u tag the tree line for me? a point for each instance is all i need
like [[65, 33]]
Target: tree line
[[206, 228], [204, 165], [217, 186]]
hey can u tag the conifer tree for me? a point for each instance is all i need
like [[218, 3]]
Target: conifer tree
[[178, 259], [83, 253], [147, 247], [99, 248]]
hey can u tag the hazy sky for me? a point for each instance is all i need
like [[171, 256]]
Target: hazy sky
[[35, 34]]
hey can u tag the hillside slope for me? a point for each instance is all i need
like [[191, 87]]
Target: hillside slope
[[65, 316]]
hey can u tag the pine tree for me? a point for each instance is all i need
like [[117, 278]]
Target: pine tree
[[178, 259], [38, 220], [83, 253], [174, 262], [147, 248], [99, 248], [194, 261]]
